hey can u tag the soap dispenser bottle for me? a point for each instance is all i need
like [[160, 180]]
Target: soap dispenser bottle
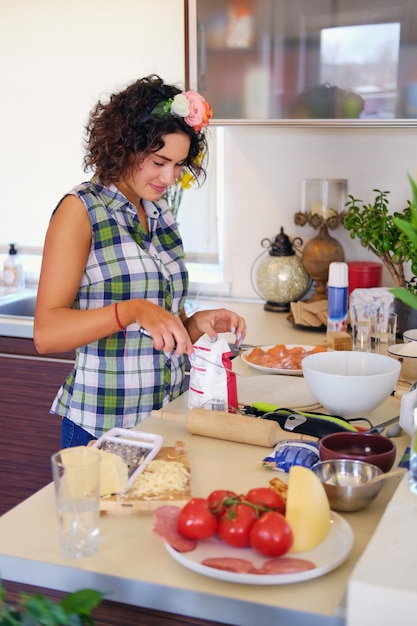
[[13, 275]]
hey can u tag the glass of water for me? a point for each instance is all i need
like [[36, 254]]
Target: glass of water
[[383, 331], [76, 474], [362, 322]]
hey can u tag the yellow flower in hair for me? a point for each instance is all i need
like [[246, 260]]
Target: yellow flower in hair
[[186, 180]]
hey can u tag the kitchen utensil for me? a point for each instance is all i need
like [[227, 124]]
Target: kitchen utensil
[[391, 474], [394, 431], [291, 392], [134, 447], [371, 448], [307, 423], [406, 355], [348, 483], [231, 427], [269, 363], [132, 503], [350, 383], [331, 553], [379, 429]]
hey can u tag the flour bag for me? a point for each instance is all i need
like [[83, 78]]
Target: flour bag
[[212, 381]]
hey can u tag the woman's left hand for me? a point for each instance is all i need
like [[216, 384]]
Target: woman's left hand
[[213, 322]]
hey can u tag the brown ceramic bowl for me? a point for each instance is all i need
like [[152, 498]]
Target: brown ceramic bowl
[[369, 447]]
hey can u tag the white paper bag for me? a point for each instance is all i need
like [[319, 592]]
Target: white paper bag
[[212, 382]]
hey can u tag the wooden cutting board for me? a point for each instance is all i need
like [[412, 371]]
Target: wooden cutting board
[[132, 504]]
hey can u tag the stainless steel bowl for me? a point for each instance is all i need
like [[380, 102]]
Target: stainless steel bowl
[[345, 482]]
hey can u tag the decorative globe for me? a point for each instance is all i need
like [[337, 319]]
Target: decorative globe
[[281, 277]]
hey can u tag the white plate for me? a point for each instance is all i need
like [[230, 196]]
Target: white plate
[[331, 553], [290, 393], [274, 370]]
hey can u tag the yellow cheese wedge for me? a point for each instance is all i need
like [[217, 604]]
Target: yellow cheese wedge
[[113, 473], [307, 510]]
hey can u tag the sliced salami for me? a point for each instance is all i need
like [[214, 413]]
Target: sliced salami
[[286, 565], [165, 526], [230, 564]]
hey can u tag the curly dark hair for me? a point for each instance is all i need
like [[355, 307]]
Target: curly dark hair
[[124, 127]]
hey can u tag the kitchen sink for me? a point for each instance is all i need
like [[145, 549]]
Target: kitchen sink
[[17, 312], [21, 304]]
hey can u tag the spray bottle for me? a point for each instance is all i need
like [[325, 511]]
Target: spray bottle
[[13, 275]]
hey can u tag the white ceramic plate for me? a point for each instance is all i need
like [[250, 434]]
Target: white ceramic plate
[[275, 370], [331, 553]]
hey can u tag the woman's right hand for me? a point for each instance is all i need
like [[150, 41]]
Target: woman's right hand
[[167, 330]]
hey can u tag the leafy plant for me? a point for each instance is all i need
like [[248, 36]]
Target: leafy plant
[[386, 235], [409, 229], [37, 610]]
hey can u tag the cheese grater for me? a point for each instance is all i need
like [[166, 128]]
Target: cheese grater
[[135, 448]]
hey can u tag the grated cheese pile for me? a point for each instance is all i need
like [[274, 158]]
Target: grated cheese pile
[[158, 478]]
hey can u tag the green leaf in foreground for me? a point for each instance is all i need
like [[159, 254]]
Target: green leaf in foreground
[[405, 296]]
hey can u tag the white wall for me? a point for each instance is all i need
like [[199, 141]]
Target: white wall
[[264, 169], [58, 57]]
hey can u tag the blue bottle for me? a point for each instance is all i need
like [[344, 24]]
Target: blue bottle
[[337, 297]]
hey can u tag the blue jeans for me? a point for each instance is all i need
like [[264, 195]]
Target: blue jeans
[[73, 435]]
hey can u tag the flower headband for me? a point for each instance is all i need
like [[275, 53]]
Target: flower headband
[[189, 105]]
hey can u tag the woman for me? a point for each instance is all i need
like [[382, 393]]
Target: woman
[[113, 281]]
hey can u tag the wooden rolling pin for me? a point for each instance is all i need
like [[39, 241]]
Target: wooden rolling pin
[[232, 427]]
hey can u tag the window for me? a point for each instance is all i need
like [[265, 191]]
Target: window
[[363, 59], [200, 219]]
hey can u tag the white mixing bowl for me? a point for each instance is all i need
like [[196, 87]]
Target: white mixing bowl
[[350, 383]]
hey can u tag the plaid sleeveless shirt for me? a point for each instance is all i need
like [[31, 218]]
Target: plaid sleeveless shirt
[[119, 380]]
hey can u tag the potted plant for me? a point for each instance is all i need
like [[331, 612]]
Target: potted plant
[[387, 235], [37, 610]]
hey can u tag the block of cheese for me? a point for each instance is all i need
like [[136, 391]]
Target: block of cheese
[[113, 473], [307, 509]]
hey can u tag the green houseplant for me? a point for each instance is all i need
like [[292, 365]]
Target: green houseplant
[[378, 230], [409, 228], [392, 237], [37, 610]]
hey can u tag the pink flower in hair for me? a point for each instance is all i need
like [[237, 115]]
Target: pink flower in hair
[[189, 105], [200, 111]]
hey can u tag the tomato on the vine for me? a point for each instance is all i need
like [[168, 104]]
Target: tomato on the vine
[[217, 498], [196, 521], [266, 497], [235, 524], [271, 534]]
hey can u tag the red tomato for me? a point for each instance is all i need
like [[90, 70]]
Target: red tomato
[[271, 534], [217, 498], [196, 521], [264, 496], [235, 524]]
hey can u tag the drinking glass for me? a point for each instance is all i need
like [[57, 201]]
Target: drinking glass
[[383, 331], [363, 320], [76, 474]]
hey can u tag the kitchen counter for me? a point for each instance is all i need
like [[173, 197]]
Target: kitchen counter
[[133, 567]]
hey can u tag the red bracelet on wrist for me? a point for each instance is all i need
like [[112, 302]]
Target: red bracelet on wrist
[[116, 312]]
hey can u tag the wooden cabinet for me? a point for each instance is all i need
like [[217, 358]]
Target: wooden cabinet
[[29, 433]]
